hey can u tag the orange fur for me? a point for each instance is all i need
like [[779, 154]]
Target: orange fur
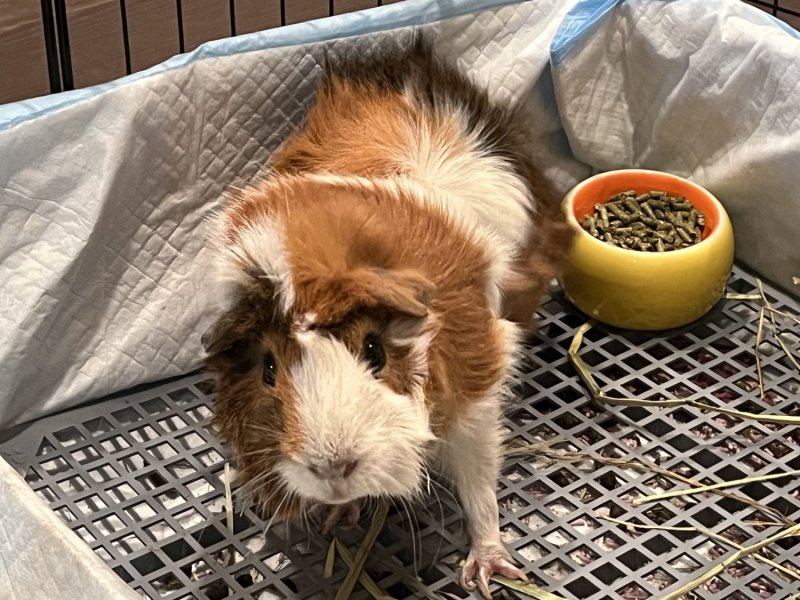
[[348, 130]]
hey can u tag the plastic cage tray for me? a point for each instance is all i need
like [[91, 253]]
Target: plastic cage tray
[[140, 479]]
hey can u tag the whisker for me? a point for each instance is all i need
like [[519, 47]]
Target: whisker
[[273, 432], [441, 517], [413, 534], [251, 488], [263, 504], [419, 530], [262, 451], [277, 510], [452, 496]]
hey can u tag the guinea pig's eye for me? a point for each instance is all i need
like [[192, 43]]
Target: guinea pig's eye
[[270, 369], [374, 353]]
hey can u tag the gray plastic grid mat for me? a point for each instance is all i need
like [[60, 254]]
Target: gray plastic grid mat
[[140, 479]]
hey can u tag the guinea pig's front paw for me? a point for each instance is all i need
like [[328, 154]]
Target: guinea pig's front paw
[[484, 561], [327, 517]]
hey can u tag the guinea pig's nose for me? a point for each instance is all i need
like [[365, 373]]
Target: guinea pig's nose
[[335, 469]]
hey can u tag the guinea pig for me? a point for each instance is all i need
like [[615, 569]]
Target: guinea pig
[[377, 281]]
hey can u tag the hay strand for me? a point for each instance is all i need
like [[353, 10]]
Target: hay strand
[[786, 350], [330, 559], [776, 333], [714, 486], [529, 589], [588, 379], [736, 556], [357, 566], [364, 578], [708, 533], [735, 296], [759, 339], [553, 454], [228, 497]]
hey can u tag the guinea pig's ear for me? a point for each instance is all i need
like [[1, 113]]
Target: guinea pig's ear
[[331, 297], [214, 338], [228, 345], [405, 291]]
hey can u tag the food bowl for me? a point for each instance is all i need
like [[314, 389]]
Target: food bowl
[[633, 289]]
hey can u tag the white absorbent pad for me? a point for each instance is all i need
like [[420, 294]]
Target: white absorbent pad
[[103, 192], [40, 558]]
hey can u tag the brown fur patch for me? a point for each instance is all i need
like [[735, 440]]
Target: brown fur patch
[[545, 257], [348, 130]]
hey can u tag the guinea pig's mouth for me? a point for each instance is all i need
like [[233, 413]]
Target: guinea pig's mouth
[[340, 490], [333, 496], [337, 496]]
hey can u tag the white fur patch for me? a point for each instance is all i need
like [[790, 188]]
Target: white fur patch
[[482, 189], [348, 415], [471, 457], [259, 248]]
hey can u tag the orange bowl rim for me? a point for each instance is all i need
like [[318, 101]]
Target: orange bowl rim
[[643, 174]]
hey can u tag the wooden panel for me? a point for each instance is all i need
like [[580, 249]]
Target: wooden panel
[[205, 20], [346, 6], [152, 31], [23, 59], [759, 6], [790, 19], [95, 41], [305, 10], [256, 15]]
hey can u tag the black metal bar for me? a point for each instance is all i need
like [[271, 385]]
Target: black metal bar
[[181, 42], [63, 45], [51, 46], [125, 38], [775, 8], [761, 3], [780, 9], [232, 4], [788, 11], [331, 7], [283, 13]]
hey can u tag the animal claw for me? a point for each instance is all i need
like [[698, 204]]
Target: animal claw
[[482, 563]]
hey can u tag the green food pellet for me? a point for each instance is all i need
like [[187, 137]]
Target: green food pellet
[[647, 222], [686, 237]]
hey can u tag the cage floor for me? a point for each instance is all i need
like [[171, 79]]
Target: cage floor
[[140, 479]]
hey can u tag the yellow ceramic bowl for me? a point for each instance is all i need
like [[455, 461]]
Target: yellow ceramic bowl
[[647, 290]]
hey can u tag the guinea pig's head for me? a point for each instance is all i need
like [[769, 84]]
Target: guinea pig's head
[[320, 355]]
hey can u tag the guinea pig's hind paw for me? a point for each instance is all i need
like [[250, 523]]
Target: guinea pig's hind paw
[[482, 564]]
